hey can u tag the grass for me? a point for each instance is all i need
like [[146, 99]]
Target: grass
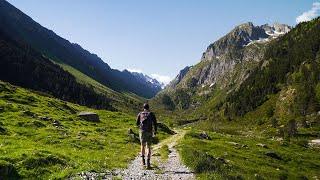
[[42, 137], [164, 152], [122, 101], [235, 156]]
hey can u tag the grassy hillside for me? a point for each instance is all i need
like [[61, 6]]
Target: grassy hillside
[[235, 155], [43, 137], [122, 101], [262, 127], [21, 27]]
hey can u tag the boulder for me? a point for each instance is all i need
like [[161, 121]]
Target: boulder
[[45, 118], [89, 116], [56, 123], [204, 135], [262, 145], [234, 143]]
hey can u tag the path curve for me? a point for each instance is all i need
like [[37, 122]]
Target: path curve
[[172, 169]]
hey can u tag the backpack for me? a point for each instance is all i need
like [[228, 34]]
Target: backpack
[[145, 121]]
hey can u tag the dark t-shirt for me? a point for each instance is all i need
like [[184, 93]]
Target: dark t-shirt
[[145, 121]]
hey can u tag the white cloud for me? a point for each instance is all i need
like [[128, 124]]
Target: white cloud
[[161, 78], [135, 70], [311, 14]]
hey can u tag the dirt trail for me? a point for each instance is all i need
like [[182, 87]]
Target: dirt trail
[[173, 168]]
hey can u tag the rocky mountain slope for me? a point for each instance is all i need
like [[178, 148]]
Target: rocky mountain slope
[[20, 27], [232, 49], [149, 81], [224, 65]]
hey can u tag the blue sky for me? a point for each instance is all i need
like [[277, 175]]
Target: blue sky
[[160, 37]]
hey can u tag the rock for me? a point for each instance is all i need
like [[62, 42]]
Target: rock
[[234, 143], [273, 154], [204, 135], [315, 142], [262, 145], [244, 146], [221, 160], [45, 118], [165, 128], [130, 131], [56, 123], [89, 116]]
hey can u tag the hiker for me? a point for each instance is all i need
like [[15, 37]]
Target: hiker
[[146, 121]]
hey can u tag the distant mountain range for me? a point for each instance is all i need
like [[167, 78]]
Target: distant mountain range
[[22, 28], [149, 81]]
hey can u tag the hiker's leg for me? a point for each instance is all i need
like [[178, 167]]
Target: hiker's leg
[[143, 145], [149, 154], [143, 148], [149, 150]]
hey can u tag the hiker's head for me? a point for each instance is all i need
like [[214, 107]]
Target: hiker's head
[[146, 106]]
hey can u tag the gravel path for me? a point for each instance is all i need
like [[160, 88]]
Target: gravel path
[[171, 169]]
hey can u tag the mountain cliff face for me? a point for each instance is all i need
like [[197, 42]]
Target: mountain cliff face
[[179, 77], [20, 27], [240, 49], [225, 64]]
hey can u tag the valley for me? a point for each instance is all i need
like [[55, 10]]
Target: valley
[[248, 109]]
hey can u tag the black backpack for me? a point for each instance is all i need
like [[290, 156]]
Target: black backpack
[[146, 121]]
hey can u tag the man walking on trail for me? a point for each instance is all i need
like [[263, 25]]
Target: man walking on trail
[[146, 121]]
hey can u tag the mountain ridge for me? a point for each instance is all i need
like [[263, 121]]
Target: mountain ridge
[[23, 28]]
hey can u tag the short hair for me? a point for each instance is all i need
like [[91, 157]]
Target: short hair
[[146, 106]]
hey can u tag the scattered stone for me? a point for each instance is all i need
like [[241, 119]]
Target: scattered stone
[[234, 143], [56, 123], [221, 160], [262, 145], [130, 131], [204, 135], [45, 118], [89, 116], [273, 154], [244, 146], [315, 142]]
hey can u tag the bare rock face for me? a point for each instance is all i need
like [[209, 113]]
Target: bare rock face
[[230, 59], [179, 77], [89, 116]]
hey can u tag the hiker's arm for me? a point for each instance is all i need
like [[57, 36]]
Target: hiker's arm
[[154, 123], [138, 120]]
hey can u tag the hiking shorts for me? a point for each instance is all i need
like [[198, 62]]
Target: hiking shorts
[[145, 137]]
